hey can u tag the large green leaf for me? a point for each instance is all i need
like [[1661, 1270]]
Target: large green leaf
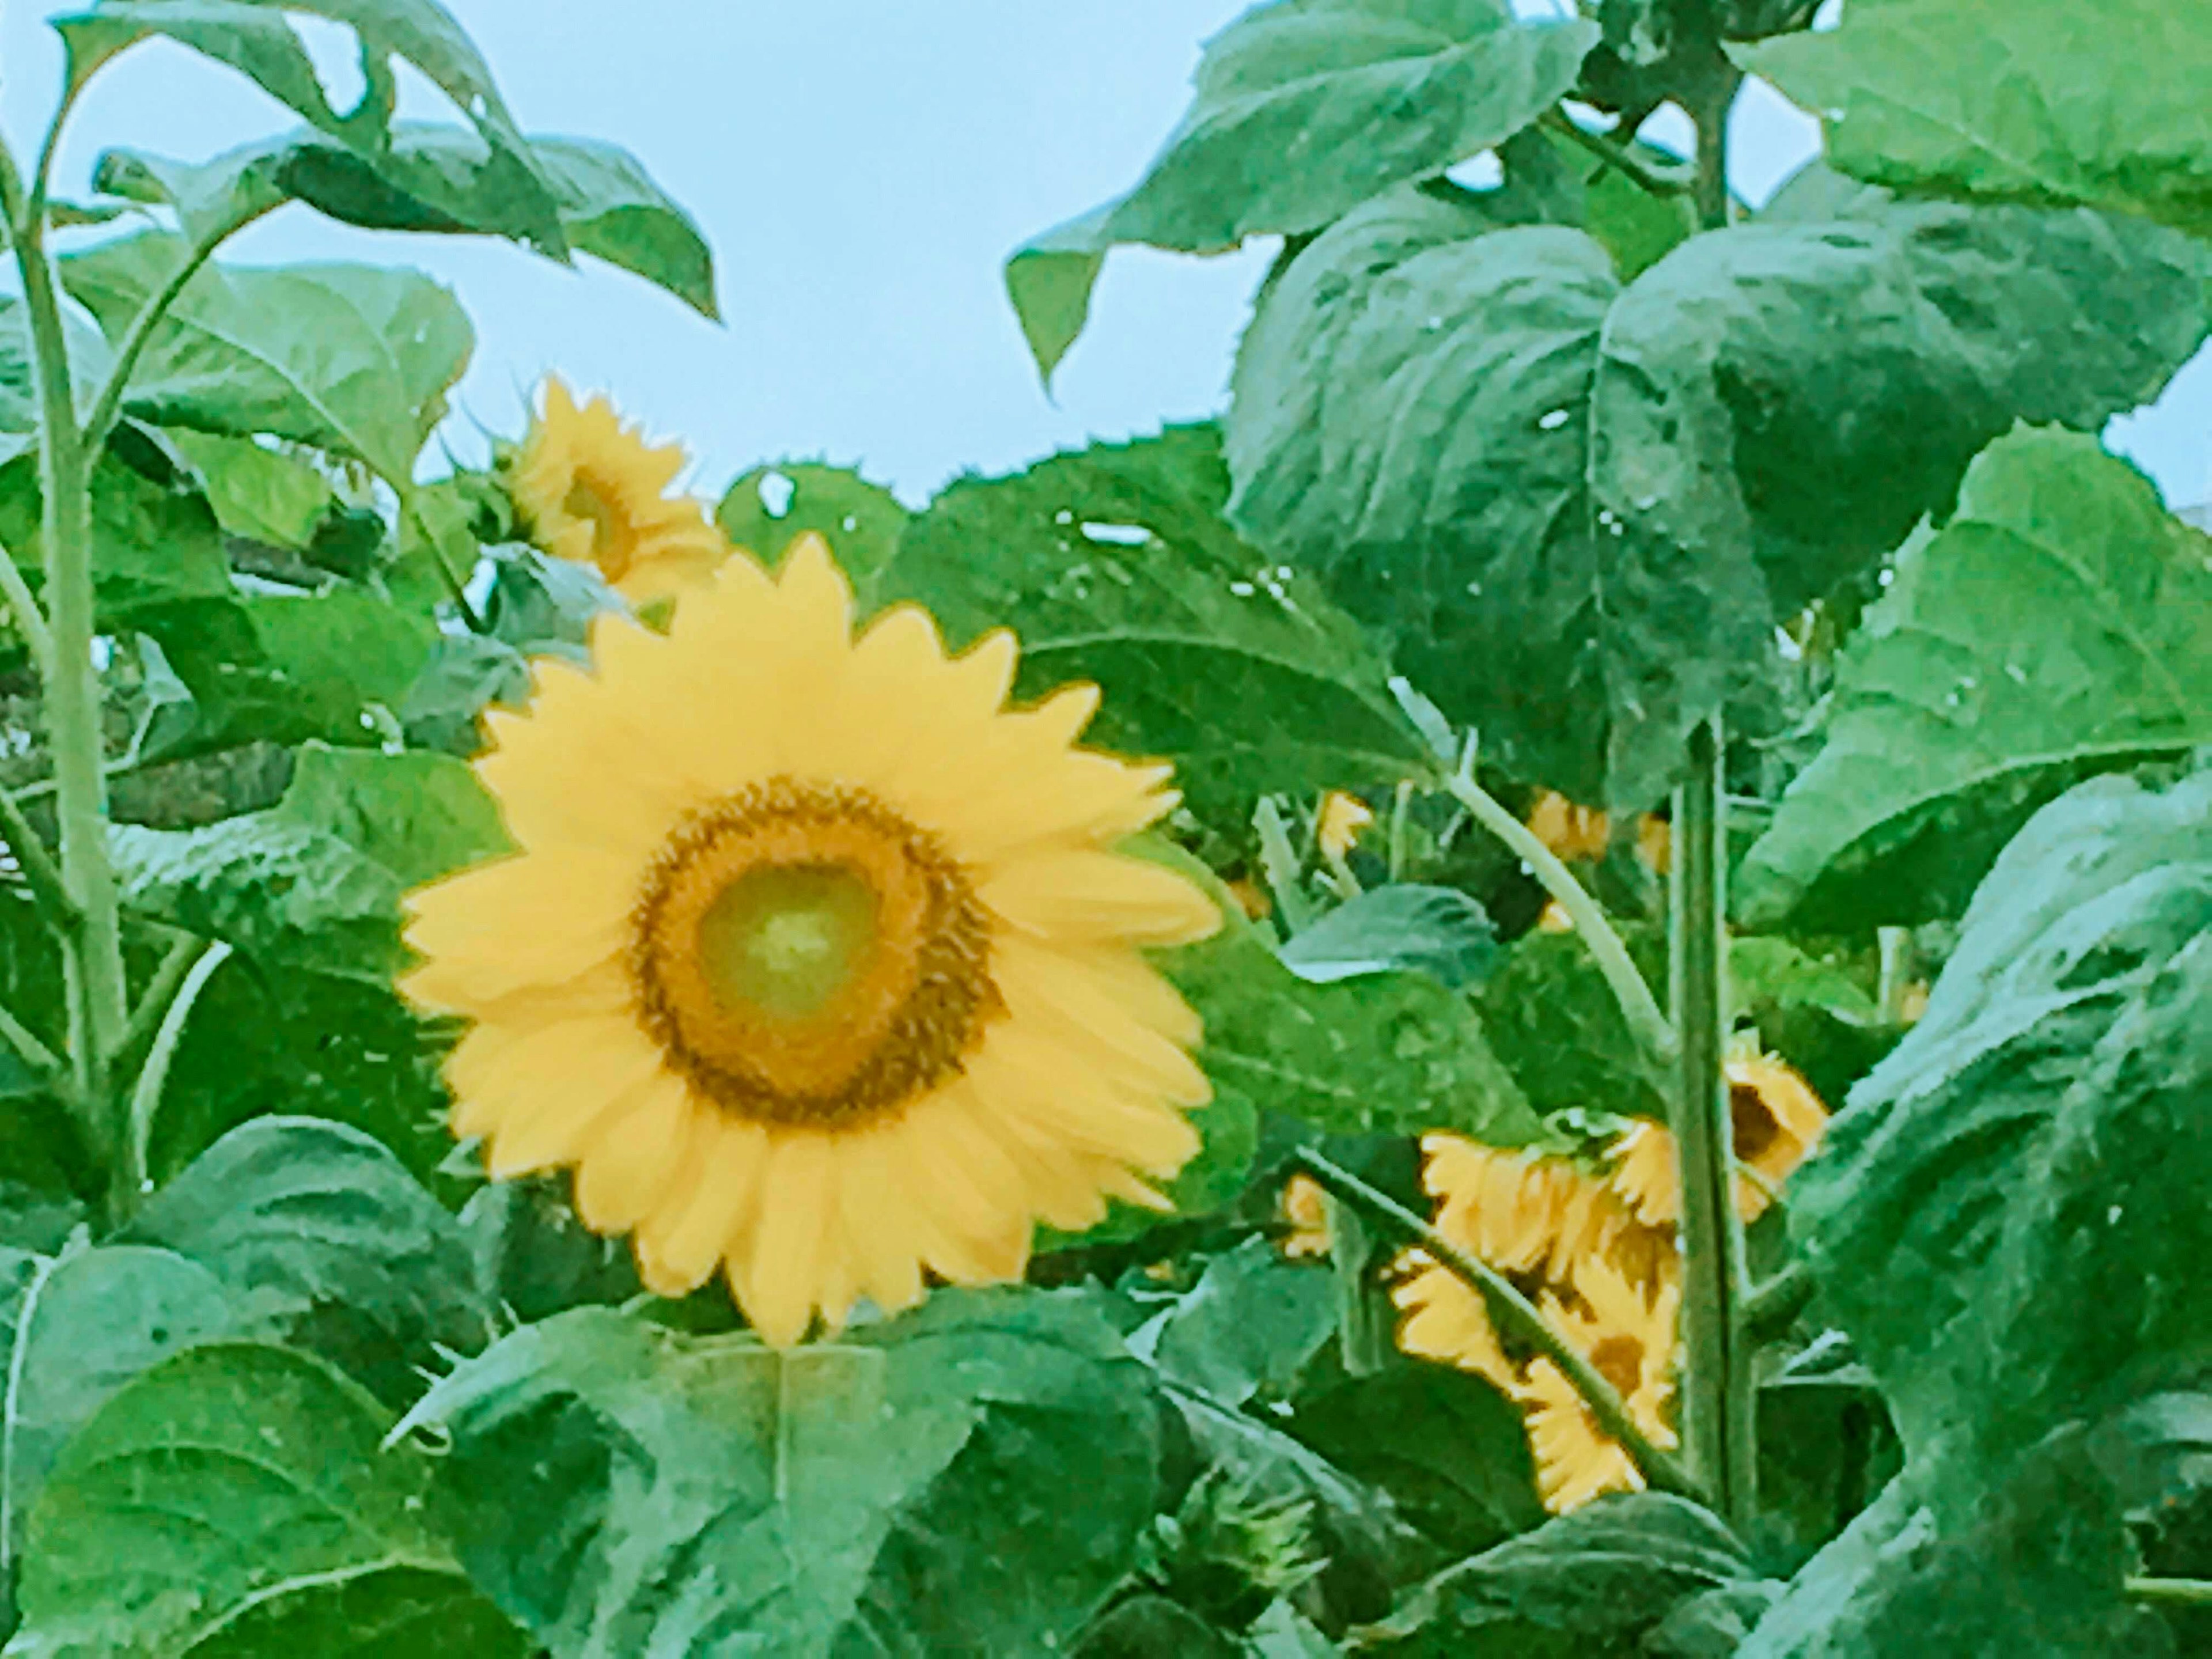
[[236, 1504], [2036, 101], [154, 544], [969, 1478], [1577, 511], [1438, 930], [768, 507], [74, 1329], [354, 359], [1554, 1022], [435, 178], [2059, 624], [1599, 1580], [261, 494], [1301, 110], [255, 38], [2008, 1219], [1112, 564], [332, 1242], [1250, 1323], [1392, 1052]]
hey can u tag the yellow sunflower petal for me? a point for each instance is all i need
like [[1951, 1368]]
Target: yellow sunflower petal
[[780, 1287], [631, 1157], [1093, 896]]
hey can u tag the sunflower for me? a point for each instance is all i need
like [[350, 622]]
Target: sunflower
[[1338, 824], [1627, 1334], [1777, 1121], [1305, 1206], [1539, 1220], [818, 965], [1575, 832], [593, 491]]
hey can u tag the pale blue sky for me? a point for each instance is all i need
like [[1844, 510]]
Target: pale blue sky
[[861, 167]]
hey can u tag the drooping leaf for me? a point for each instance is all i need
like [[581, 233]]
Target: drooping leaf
[[1394, 1051], [2031, 1145], [1301, 110], [904, 1489], [770, 505], [261, 494], [2044, 101], [331, 1243], [354, 359], [437, 178], [1250, 1323], [1113, 565], [538, 603], [1577, 511], [1594, 1581], [465, 675], [236, 1501], [74, 1329], [255, 38], [2060, 624], [1439, 931]]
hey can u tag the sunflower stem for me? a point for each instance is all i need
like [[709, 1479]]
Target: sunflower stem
[[1513, 1312], [2170, 1592], [93, 949], [1638, 1006], [1770, 1309], [1717, 1389], [40, 873], [130, 1182]]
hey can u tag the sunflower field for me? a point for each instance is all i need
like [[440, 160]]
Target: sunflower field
[[1547, 993]]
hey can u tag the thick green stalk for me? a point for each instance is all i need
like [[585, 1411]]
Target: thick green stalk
[[1717, 1385], [94, 954]]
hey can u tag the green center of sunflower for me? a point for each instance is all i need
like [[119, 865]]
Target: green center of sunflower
[[586, 505], [787, 940]]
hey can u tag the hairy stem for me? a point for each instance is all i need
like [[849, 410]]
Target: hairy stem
[[2172, 1592], [1717, 1389], [1638, 1004], [30, 621], [1648, 176], [40, 873], [1512, 1312]]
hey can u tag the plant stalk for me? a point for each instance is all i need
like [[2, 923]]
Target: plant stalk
[[40, 873], [129, 1178], [1716, 1388], [1514, 1312]]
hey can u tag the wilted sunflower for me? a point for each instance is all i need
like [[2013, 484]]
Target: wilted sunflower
[[1627, 1334], [592, 489], [1777, 1119], [1338, 825], [818, 963], [1575, 832]]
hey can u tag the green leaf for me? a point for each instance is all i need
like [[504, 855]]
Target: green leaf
[[1395, 1053], [1767, 972], [861, 522], [1555, 1024], [466, 674], [236, 1502], [1113, 565], [255, 38], [339, 1249], [2042, 101], [1577, 511], [438, 178], [1438, 931], [74, 1330], [1251, 1322], [313, 883], [905, 1490], [285, 668], [2059, 625], [1595, 1581], [2031, 1147], [537, 602], [89, 360], [263, 494], [1301, 110], [354, 359]]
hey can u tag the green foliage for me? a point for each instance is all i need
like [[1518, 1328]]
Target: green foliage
[[2059, 624], [770, 506], [1249, 1324], [1502, 459], [1113, 565], [262, 494], [237, 1502], [1439, 930], [2046, 100], [1555, 1026], [1301, 110], [348, 358], [904, 1489]]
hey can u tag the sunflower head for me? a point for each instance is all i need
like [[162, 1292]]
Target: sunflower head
[[1571, 832], [1306, 1208], [592, 489], [1776, 1119], [818, 964], [1338, 825], [1627, 1333]]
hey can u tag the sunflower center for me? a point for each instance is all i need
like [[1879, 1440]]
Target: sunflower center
[[1620, 1361], [806, 956], [1753, 1124], [586, 505]]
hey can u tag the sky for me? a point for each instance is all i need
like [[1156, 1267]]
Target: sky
[[861, 168]]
